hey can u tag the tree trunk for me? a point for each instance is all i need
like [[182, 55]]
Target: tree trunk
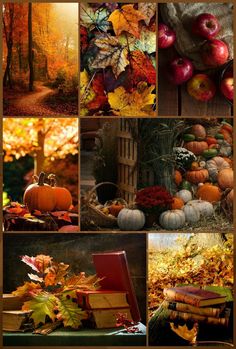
[[19, 50], [67, 48], [9, 41], [39, 155], [30, 50]]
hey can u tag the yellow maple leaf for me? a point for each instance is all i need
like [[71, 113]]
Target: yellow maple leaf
[[126, 19], [136, 103], [185, 333], [86, 92]]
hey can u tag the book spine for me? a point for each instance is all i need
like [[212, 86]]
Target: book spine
[[187, 308], [175, 315], [172, 295]]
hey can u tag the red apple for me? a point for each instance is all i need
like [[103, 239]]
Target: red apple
[[214, 53], [166, 36], [180, 70], [227, 88], [201, 87], [206, 25]]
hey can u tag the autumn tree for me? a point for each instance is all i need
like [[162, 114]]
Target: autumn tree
[[40, 138]]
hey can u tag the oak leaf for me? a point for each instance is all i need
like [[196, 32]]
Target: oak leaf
[[148, 9], [94, 19], [126, 19], [137, 103], [111, 54]]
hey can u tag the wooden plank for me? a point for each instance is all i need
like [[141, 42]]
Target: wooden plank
[[124, 134], [128, 188], [126, 161]]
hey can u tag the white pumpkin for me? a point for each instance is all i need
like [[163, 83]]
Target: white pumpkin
[[215, 165], [130, 219], [205, 208], [172, 219], [184, 194], [192, 213]]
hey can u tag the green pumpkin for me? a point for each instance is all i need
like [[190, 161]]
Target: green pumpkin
[[210, 153], [186, 185], [188, 137]]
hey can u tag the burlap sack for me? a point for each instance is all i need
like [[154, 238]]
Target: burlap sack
[[180, 16]]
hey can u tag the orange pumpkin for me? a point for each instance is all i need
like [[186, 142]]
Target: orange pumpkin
[[227, 135], [198, 131], [195, 165], [228, 127], [197, 176], [177, 203], [230, 162], [115, 209], [178, 177], [225, 178], [209, 192], [196, 147], [211, 140], [62, 195], [40, 196]]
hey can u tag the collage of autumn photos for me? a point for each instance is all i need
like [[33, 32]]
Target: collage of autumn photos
[[117, 174]]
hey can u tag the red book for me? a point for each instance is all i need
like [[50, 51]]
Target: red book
[[113, 268]]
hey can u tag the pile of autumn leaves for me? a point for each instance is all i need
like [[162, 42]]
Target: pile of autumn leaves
[[190, 265], [118, 45]]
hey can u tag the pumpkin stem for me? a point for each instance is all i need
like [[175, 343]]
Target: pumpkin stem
[[52, 180], [41, 178]]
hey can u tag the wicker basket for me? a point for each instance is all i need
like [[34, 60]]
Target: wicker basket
[[99, 218]]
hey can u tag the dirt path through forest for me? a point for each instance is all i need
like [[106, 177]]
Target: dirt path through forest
[[32, 103]]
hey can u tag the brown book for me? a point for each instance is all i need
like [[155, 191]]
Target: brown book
[[102, 299], [193, 296], [11, 302], [16, 320], [187, 308], [175, 315], [106, 318], [113, 268]]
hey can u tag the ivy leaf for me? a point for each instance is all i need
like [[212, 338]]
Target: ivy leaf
[[69, 312], [41, 305], [28, 289], [126, 19], [148, 9], [55, 274], [137, 103], [94, 19], [111, 53]]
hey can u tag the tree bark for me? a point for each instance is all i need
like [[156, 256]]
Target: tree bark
[[9, 41], [30, 48]]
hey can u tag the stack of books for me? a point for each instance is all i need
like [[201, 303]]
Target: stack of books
[[103, 306], [194, 304], [13, 318]]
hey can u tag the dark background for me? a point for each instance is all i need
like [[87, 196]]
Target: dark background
[[75, 250]]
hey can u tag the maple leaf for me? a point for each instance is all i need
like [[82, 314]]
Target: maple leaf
[[148, 9], [111, 54], [94, 19], [55, 274], [98, 87], [41, 305], [146, 42], [126, 19], [185, 333], [28, 289], [136, 103], [82, 282], [38, 263], [142, 68], [69, 312]]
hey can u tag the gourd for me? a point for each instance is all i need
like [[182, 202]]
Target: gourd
[[178, 177], [62, 195], [129, 219], [177, 203], [186, 185], [40, 196], [211, 140], [196, 147], [205, 208], [197, 176], [115, 209], [225, 149], [225, 178], [209, 153], [199, 132], [184, 194], [183, 157], [192, 213], [215, 165], [172, 219], [209, 192]]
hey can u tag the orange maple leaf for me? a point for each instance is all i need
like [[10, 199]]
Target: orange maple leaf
[[126, 19]]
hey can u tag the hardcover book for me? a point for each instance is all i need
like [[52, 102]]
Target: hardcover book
[[102, 299]]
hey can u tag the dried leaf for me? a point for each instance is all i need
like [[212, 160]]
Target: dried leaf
[[142, 68], [94, 19], [35, 277], [38, 263], [185, 333], [28, 289], [55, 274], [148, 9]]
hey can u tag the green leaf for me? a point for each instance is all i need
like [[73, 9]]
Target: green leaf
[[92, 20], [42, 305], [69, 312]]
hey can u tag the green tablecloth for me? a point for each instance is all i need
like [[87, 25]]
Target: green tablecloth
[[83, 337]]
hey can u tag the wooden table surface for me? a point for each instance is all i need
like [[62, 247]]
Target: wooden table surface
[[175, 100]]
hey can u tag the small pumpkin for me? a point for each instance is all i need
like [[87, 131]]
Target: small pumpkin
[[196, 147], [177, 203], [226, 126], [40, 196], [129, 219], [192, 213], [172, 219], [211, 140], [184, 194], [209, 192], [197, 176], [178, 177], [225, 178], [195, 165], [225, 149], [227, 135], [199, 132], [215, 165], [205, 208], [115, 209], [62, 195]]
